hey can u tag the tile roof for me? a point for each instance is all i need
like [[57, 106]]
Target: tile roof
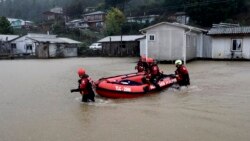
[[229, 30]]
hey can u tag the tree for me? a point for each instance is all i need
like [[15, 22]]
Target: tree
[[75, 9], [114, 21], [205, 13], [116, 3], [5, 26]]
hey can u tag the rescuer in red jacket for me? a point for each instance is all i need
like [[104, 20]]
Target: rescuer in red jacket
[[85, 87], [140, 65], [154, 74], [182, 74]]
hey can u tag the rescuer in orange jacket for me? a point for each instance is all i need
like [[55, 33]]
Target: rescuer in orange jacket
[[85, 87], [182, 74]]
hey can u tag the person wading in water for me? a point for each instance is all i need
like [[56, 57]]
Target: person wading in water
[[85, 87]]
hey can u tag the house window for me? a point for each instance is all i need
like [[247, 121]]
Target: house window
[[236, 45], [28, 47], [151, 37], [13, 46]]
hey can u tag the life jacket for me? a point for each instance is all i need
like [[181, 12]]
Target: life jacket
[[85, 85], [139, 66], [181, 72]]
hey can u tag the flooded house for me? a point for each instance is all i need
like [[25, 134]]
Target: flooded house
[[45, 46], [170, 41], [123, 45], [229, 41], [6, 48]]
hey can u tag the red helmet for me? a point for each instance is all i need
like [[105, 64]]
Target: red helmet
[[81, 72], [150, 60]]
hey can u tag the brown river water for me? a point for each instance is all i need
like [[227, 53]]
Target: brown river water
[[36, 103]]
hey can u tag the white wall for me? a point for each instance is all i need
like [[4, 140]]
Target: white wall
[[22, 43], [171, 43], [193, 43], [199, 51], [52, 50], [143, 47], [246, 48], [168, 43], [221, 47]]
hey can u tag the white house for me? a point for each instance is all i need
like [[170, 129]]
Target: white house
[[230, 41], [45, 46], [170, 41]]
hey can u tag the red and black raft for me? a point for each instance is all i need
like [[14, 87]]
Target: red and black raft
[[130, 85]]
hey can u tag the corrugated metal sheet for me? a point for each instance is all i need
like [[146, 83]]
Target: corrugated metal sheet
[[69, 41], [56, 40], [176, 25], [94, 13], [49, 40], [119, 38], [231, 30], [8, 37]]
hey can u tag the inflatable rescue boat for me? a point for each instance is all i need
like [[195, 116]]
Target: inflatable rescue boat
[[130, 85]]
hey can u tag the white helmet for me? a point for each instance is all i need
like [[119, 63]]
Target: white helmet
[[178, 62]]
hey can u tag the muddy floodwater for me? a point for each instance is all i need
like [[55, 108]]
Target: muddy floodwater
[[36, 103]]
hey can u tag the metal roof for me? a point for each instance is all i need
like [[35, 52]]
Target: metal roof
[[94, 13], [69, 41], [176, 25], [45, 40], [36, 35], [229, 30], [55, 40], [119, 38], [8, 37]]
